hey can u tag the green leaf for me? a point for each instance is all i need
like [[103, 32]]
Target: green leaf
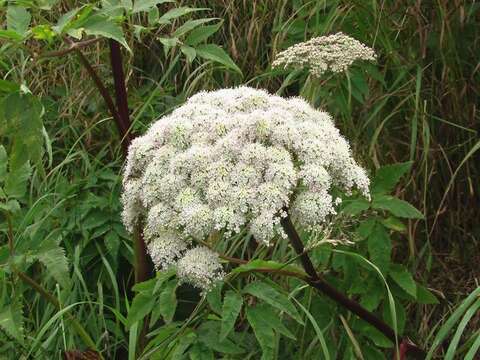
[[102, 26], [202, 33], [354, 207], [177, 12], [10, 35], [200, 351], [400, 313], [147, 5], [208, 333], [425, 296], [214, 299], [394, 224], [380, 247], [273, 297], [168, 301], [8, 86], [217, 54], [263, 332], [3, 163], [189, 52], [232, 304], [141, 306], [190, 25], [17, 181], [55, 260], [388, 176], [365, 228], [404, 279], [11, 321], [396, 207], [258, 264], [18, 19]]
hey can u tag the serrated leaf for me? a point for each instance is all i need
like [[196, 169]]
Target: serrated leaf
[[102, 26], [142, 305], [388, 176], [396, 207], [380, 247], [404, 279], [202, 33], [147, 5], [232, 304], [55, 260], [190, 25], [18, 19], [168, 301], [217, 54], [11, 321], [273, 297], [177, 12]]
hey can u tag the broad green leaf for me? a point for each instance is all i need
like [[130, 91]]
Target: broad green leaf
[[365, 228], [112, 243], [232, 304], [200, 351], [208, 333], [11, 321], [190, 25], [43, 32], [17, 180], [380, 247], [102, 26], [8, 86], [21, 119], [189, 52], [273, 297], [425, 296], [147, 5], [18, 19], [396, 207], [73, 19], [373, 334], [141, 306], [177, 12], [354, 207], [388, 176], [214, 299], [394, 224], [216, 54], [12, 206], [202, 33], [404, 279], [168, 301], [263, 332]]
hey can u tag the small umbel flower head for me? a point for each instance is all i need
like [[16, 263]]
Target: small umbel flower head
[[334, 53], [230, 160]]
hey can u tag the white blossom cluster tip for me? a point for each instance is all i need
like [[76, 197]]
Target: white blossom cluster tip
[[228, 160], [333, 53]]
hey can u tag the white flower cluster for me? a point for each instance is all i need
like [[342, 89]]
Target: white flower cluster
[[227, 160], [333, 53]]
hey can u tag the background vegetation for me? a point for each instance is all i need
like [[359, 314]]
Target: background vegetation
[[60, 223]]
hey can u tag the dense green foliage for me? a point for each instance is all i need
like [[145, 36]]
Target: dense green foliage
[[67, 263]]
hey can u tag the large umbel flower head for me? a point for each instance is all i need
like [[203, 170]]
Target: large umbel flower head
[[334, 53], [228, 160]]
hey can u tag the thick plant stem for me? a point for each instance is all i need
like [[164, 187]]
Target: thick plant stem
[[321, 285]]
